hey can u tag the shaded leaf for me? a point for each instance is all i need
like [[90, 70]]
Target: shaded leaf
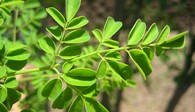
[[28, 110], [48, 45], [111, 27], [55, 31], [92, 105], [150, 35], [72, 6], [80, 77], [57, 16], [77, 105], [176, 42], [159, 50], [102, 69], [111, 43], [70, 52], [137, 32], [142, 62], [113, 55], [90, 91], [149, 52], [52, 89], [77, 22], [123, 70], [64, 99], [77, 36], [16, 65], [3, 108]]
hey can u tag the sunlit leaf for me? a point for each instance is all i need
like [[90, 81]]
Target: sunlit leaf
[[151, 35], [18, 55], [113, 55], [15, 2], [90, 91], [149, 52], [102, 69], [70, 52], [57, 16], [92, 105], [163, 35], [77, 36], [3, 93], [11, 82], [72, 6], [2, 71], [111, 43], [80, 77], [67, 66], [77, 22], [98, 34], [137, 32], [111, 27], [16, 65]]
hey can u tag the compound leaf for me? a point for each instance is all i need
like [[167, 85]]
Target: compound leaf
[[163, 35], [111, 43], [113, 55], [98, 34], [102, 69]]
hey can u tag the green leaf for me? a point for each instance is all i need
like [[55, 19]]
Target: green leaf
[[102, 69], [55, 31], [13, 97], [149, 52], [163, 35], [113, 55], [1, 20], [142, 62], [52, 89], [64, 99], [92, 105], [3, 108], [72, 6], [159, 50], [90, 91], [77, 22], [48, 45], [3, 93], [5, 10], [11, 82], [131, 83], [18, 55], [67, 66], [121, 69], [15, 47], [98, 34], [137, 32], [2, 71], [77, 105], [151, 35], [111, 43], [176, 42], [32, 4], [16, 65], [111, 27], [40, 14], [77, 36], [57, 16], [80, 77], [15, 2], [70, 52]]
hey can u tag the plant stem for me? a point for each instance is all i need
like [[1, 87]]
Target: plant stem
[[15, 27]]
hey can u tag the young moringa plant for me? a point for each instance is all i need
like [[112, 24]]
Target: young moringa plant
[[71, 82]]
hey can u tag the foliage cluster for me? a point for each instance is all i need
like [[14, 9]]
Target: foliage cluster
[[65, 66]]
